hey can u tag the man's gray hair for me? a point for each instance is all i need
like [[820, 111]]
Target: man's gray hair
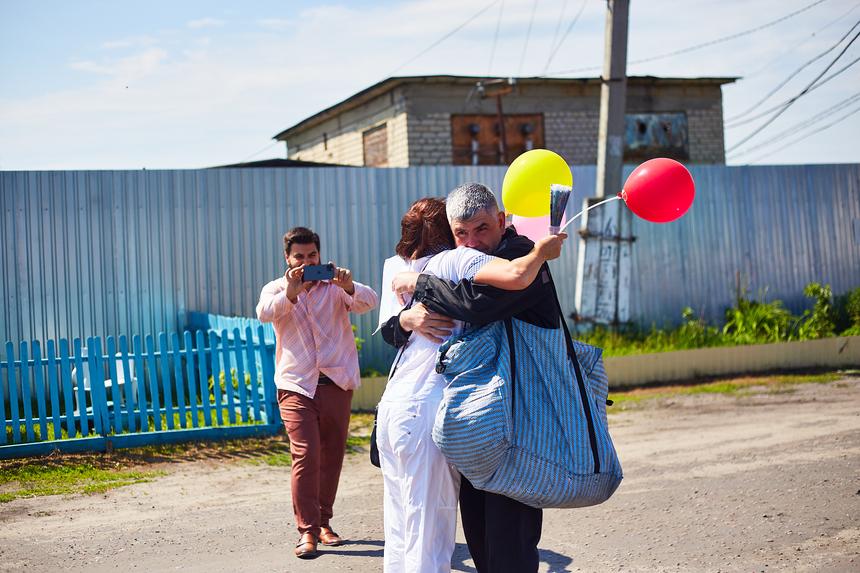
[[468, 200]]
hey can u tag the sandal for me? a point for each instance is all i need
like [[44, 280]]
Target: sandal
[[307, 546], [329, 537]]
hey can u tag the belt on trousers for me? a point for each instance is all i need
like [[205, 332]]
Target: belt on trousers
[[324, 380]]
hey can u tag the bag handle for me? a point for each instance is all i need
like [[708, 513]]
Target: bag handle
[[509, 328]]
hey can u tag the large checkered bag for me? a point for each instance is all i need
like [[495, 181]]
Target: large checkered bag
[[524, 415]]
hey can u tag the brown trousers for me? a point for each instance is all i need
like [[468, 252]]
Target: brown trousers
[[317, 429]]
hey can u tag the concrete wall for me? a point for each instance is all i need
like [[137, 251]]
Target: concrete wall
[[687, 365], [833, 353]]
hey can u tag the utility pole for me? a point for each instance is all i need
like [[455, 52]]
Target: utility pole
[[603, 267], [613, 100]]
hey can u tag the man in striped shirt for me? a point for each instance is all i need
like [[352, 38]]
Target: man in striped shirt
[[316, 372]]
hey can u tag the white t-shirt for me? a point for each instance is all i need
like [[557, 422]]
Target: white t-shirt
[[415, 377]]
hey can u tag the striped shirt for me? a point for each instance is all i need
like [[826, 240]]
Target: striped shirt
[[314, 335]]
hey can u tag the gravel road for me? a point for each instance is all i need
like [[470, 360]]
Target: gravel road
[[762, 481]]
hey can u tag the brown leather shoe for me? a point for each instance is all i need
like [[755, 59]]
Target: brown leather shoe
[[329, 537], [307, 546]]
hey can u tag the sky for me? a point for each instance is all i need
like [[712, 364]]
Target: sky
[[185, 84]]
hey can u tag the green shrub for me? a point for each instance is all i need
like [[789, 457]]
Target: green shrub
[[847, 313], [757, 322], [821, 321]]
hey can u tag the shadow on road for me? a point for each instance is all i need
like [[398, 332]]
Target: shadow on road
[[349, 548]]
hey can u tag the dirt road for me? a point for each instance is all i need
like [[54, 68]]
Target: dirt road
[[768, 481]]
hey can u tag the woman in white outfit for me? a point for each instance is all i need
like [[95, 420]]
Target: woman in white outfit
[[421, 488]]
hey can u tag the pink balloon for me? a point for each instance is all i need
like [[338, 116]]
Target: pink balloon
[[535, 228], [660, 190]]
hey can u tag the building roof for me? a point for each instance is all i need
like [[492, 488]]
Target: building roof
[[391, 83], [278, 162]]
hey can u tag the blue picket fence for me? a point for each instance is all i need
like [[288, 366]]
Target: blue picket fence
[[108, 394]]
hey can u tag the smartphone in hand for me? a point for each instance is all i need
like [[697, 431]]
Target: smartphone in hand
[[318, 272]]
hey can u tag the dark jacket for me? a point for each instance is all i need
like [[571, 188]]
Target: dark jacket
[[481, 304]]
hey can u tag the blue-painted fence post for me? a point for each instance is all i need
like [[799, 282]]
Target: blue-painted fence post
[[68, 392], [166, 382], [250, 346], [273, 414], [137, 345], [13, 392], [26, 395], [228, 375], [192, 380], [240, 374], [176, 353], [98, 394], [40, 391], [216, 383], [129, 383], [153, 381], [83, 418], [53, 389], [115, 389], [203, 378]]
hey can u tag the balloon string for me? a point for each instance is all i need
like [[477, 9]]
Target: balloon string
[[569, 221]]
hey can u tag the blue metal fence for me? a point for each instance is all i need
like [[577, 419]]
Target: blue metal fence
[[114, 394], [98, 253]]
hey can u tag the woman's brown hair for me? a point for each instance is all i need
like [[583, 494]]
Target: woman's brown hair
[[424, 229]]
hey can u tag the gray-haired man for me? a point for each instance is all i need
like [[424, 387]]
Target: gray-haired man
[[502, 534]]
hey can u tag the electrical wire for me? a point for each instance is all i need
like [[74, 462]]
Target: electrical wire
[[788, 104], [445, 37], [796, 128], [793, 75], [810, 134], [256, 153], [557, 28], [794, 47], [739, 123], [496, 37], [703, 44], [556, 47], [528, 35]]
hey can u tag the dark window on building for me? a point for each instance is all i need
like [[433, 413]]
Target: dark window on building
[[376, 146], [476, 139], [650, 135]]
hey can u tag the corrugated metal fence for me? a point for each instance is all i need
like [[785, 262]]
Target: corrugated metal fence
[[99, 253]]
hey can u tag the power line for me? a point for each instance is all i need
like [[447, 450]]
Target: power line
[[790, 100], [445, 37], [796, 128], [556, 47], [794, 74], [703, 44], [796, 46], [496, 37], [528, 35], [803, 92], [260, 151], [729, 37], [810, 134], [557, 28]]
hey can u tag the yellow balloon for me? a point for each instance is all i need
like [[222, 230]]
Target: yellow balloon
[[525, 190]]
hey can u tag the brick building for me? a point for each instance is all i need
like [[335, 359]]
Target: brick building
[[454, 120]]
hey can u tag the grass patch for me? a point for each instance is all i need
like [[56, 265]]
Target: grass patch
[[39, 480]]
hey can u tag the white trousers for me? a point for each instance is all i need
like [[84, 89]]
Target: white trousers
[[421, 488]]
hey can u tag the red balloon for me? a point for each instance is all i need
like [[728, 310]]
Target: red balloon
[[660, 190]]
